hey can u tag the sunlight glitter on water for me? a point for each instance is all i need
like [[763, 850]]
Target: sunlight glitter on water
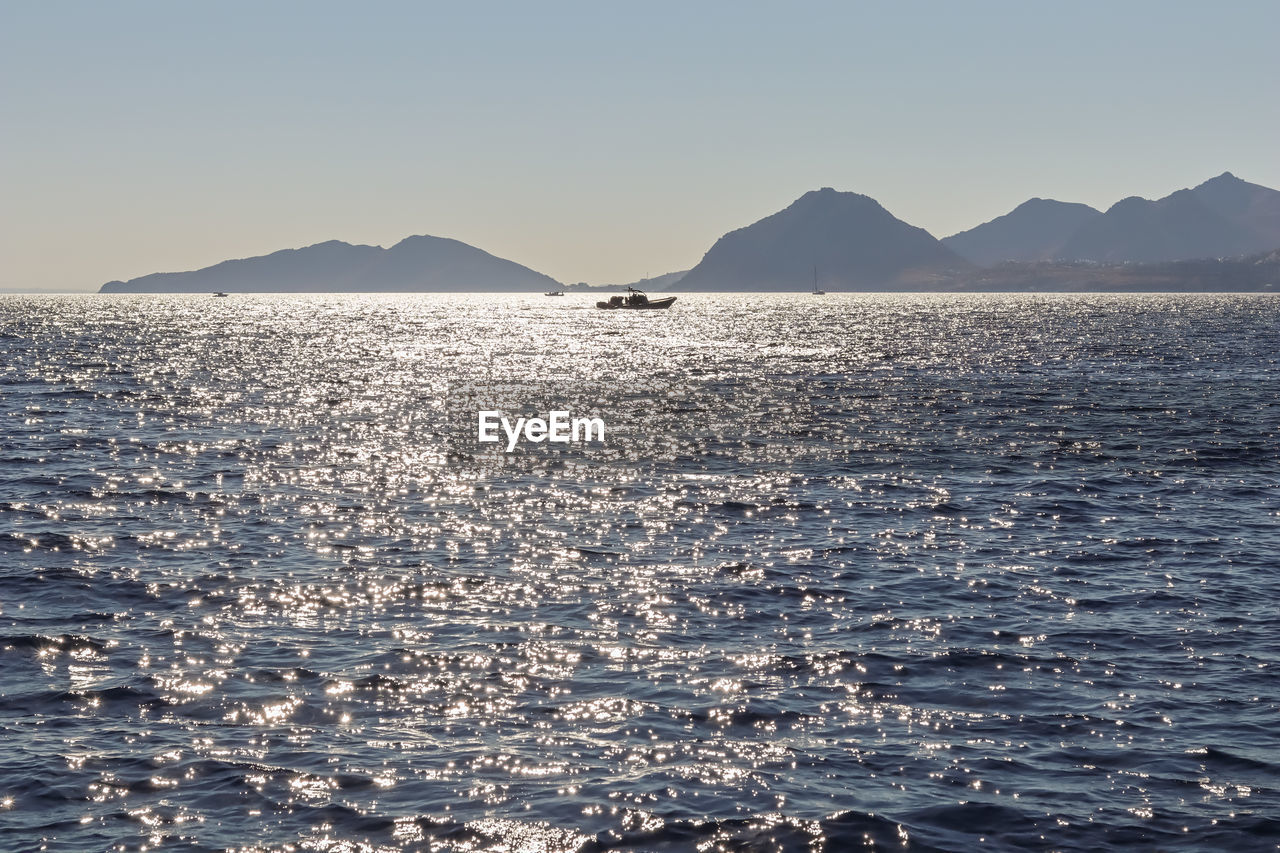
[[849, 572]]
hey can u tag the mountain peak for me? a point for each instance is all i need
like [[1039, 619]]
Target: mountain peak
[[827, 194], [1183, 225], [850, 239], [419, 263], [1254, 210], [1033, 231]]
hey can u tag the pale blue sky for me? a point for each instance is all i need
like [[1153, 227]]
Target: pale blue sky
[[593, 141]]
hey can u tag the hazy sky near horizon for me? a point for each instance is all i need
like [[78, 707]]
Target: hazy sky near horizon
[[593, 141]]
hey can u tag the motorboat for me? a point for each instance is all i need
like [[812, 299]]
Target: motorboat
[[636, 299], [554, 293]]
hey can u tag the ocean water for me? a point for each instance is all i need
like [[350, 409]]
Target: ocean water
[[860, 571]]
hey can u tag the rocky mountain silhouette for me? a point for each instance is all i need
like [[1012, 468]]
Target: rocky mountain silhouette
[[1035, 230], [1175, 228], [419, 263], [852, 241], [1224, 217]]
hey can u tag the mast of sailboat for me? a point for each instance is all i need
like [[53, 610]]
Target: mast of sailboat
[[816, 292]]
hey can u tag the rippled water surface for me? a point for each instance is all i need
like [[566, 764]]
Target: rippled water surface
[[913, 572]]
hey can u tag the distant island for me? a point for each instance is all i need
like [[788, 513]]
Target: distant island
[[414, 264], [1222, 235]]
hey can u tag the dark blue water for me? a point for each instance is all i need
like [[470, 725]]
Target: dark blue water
[[917, 572]]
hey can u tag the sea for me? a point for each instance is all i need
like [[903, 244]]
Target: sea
[[855, 571]]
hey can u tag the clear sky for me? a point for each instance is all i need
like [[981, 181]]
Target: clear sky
[[597, 141]]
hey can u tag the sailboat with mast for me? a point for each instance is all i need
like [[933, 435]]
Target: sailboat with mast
[[817, 292]]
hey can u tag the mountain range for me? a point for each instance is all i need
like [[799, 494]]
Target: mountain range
[[844, 240], [418, 263], [1224, 217], [835, 238], [1035, 230]]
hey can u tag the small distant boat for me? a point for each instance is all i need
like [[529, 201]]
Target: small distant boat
[[817, 292], [219, 293], [554, 293], [636, 299]]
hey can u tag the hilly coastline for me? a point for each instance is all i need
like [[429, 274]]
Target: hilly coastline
[[422, 263], [847, 238], [1223, 217], [1035, 230], [1220, 235]]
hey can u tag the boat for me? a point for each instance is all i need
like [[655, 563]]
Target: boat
[[636, 299], [817, 292], [554, 293], [219, 293]]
